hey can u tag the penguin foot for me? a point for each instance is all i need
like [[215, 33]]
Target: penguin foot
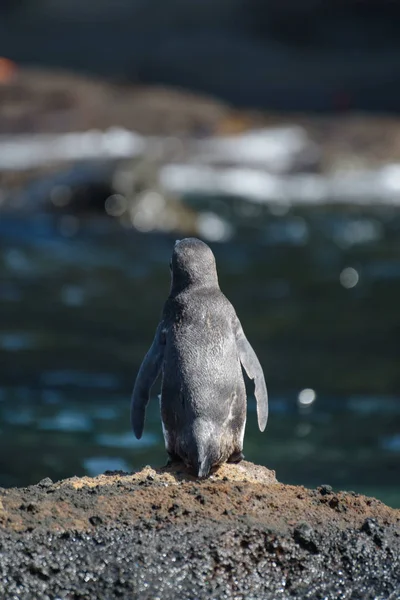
[[236, 457]]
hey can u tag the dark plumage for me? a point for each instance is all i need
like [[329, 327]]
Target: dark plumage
[[200, 348]]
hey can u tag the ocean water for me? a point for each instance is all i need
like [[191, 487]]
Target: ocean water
[[317, 290]]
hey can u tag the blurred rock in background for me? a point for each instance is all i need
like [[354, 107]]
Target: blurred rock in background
[[290, 55]]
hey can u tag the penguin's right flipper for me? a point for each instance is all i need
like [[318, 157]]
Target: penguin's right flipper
[[148, 373], [252, 366]]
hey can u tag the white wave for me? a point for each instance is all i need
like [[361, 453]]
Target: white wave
[[20, 152], [367, 186]]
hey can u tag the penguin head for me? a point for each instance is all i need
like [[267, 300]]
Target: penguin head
[[192, 263]]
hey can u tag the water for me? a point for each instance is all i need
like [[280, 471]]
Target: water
[[318, 294]]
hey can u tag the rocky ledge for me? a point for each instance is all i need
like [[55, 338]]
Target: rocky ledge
[[163, 534]]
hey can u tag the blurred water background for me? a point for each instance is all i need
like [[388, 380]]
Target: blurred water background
[[97, 180]]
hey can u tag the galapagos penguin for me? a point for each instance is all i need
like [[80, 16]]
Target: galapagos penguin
[[200, 348]]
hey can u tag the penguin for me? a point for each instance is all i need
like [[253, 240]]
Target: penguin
[[200, 348]]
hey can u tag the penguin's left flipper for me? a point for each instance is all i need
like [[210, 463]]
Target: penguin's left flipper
[[148, 373], [252, 366]]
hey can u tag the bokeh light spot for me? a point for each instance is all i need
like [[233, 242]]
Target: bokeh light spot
[[306, 397], [115, 205], [349, 277], [60, 195]]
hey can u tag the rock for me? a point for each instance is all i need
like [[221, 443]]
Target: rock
[[372, 528], [45, 483], [95, 520], [164, 533], [303, 535]]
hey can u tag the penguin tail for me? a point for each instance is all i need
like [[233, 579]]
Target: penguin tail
[[204, 467]]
